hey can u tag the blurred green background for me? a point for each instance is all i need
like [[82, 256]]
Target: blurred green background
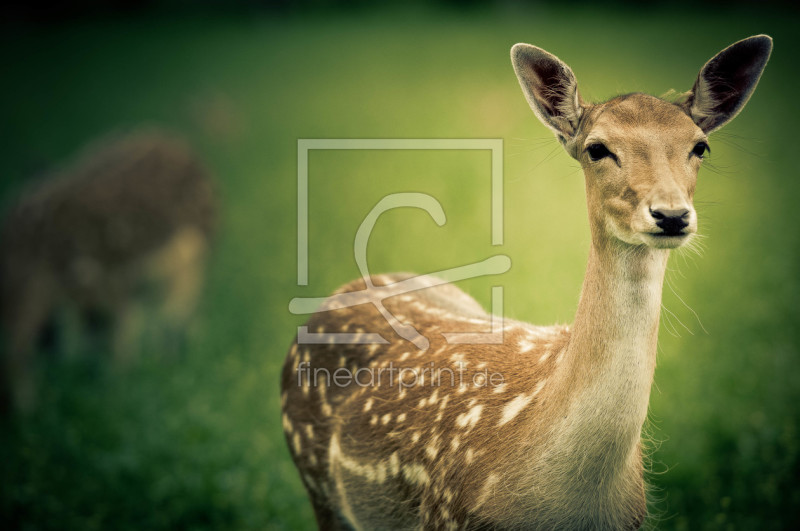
[[195, 442]]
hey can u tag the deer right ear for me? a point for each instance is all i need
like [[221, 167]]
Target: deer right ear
[[726, 82], [550, 88]]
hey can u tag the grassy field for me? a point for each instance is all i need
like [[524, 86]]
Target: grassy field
[[194, 442]]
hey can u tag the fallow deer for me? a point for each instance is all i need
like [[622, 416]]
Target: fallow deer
[[109, 243], [549, 436]]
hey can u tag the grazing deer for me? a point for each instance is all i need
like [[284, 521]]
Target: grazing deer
[[106, 244], [542, 431]]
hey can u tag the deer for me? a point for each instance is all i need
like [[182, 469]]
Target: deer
[[542, 430], [100, 250]]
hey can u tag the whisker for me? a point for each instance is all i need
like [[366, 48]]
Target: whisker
[[696, 316], [668, 326]]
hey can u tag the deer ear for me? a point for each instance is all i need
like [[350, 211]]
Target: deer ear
[[550, 88], [726, 82]]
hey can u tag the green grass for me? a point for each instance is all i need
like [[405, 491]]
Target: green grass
[[195, 441]]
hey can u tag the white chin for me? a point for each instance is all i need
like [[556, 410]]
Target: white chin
[[664, 242]]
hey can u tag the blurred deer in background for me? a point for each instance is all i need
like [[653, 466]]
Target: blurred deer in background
[[553, 439], [115, 240]]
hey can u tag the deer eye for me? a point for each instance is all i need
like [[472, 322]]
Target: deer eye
[[700, 149], [598, 151]]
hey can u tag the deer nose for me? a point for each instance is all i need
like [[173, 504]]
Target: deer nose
[[671, 221]]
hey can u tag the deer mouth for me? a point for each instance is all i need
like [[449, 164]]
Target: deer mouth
[[666, 240]]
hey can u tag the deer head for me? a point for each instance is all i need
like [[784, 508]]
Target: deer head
[[641, 154]]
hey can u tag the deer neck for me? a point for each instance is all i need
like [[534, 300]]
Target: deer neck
[[616, 325], [609, 362]]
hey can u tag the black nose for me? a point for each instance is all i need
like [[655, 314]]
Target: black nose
[[672, 222]]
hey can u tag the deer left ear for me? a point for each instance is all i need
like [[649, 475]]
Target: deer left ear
[[726, 82]]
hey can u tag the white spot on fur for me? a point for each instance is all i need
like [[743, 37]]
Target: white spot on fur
[[386, 418], [374, 474], [323, 392], [401, 417], [469, 456], [416, 474], [380, 472], [513, 408], [432, 449], [287, 424], [309, 431], [486, 490], [298, 448], [374, 420], [444, 402], [368, 404], [455, 442], [525, 346], [448, 494], [500, 388], [334, 457], [394, 464], [415, 437], [470, 418], [434, 397]]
